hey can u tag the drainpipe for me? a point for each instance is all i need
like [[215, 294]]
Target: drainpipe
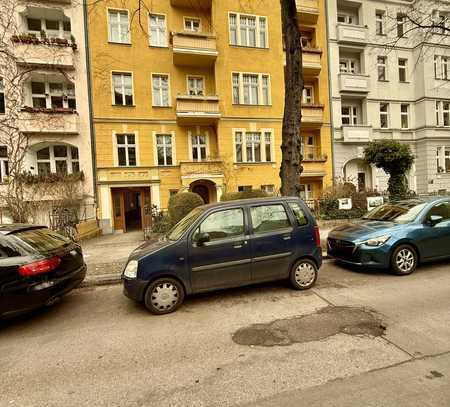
[[90, 103], [330, 91]]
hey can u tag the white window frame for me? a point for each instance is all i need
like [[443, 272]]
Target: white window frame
[[386, 114], [442, 159], [308, 148], [195, 90], [348, 18], [353, 115], [403, 68], [442, 67], [128, 33], [308, 95], [349, 65], [52, 159], [260, 88], [65, 94], [258, 29], [195, 145], [122, 75], [186, 27], [160, 90], [307, 193], [246, 137], [268, 189], [379, 22], [161, 31], [127, 145], [405, 114], [401, 22], [443, 113], [60, 32], [382, 62], [165, 146], [4, 167]]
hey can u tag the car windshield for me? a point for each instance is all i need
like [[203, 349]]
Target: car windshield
[[42, 240], [177, 231], [402, 212]]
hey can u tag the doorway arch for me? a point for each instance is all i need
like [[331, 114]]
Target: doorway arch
[[206, 189]]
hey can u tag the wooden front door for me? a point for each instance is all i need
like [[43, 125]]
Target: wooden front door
[[118, 209]]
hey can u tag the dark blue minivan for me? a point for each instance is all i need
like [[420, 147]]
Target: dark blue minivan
[[225, 245]]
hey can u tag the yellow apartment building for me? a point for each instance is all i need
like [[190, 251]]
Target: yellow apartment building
[[189, 95]]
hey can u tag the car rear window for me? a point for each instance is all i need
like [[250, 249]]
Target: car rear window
[[42, 240]]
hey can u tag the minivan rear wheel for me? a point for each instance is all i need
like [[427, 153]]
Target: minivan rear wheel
[[404, 260], [163, 296], [303, 274]]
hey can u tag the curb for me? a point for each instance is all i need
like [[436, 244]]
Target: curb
[[103, 279]]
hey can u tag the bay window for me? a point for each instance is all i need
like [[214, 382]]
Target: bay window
[[52, 95]]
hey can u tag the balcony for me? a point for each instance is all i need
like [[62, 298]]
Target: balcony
[[312, 115], [357, 134], [36, 52], [197, 110], [49, 121], [355, 34], [199, 169], [308, 11], [311, 61], [194, 49], [198, 4], [313, 154], [350, 82]]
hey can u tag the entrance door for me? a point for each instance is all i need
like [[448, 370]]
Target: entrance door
[[361, 181], [146, 208], [118, 209], [131, 208], [203, 191]]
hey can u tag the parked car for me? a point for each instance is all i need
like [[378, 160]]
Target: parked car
[[226, 245], [396, 236], [37, 267]]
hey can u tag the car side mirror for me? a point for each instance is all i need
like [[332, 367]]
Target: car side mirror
[[202, 238], [433, 220]]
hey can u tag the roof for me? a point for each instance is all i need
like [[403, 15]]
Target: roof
[[248, 201], [17, 227]]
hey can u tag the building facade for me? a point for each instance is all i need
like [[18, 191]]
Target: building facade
[[47, 44], [389, 81], [190, 96]]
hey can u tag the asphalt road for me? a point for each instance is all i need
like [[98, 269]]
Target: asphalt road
[[391, 347]]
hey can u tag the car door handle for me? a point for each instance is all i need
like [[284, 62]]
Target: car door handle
[[240, 244], [287, 237]]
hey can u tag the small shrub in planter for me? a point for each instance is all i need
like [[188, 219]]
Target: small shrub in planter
[[181, 204], [254, 193]]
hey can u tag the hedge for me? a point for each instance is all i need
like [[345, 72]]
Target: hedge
[[181, 204], [254, 193]]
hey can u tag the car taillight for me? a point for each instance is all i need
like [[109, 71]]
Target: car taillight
[[39, 267], [317, 235]]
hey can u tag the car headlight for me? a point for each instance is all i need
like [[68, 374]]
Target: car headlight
[[377, 241], [131, 269]]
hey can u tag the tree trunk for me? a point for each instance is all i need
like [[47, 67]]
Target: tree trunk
[[291, 165]]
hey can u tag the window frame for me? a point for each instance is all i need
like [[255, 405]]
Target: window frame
[[405, 114], [2, 97], [109, 10], [196, 78], [53, 159], [353, 114], [194, 145], [237, 27], [263, 133], [122, 74], [4, 166], [65, 96], [127, 146], [382, 62], [352, 65], [164, 146], [384, 113], [189, 18], [290, 227], [161, 94], [403, 68], [260, 88], [159, 43], [305, 97], [379, 22]]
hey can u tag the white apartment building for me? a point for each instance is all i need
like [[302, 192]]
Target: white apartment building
[[390, 81], [48, 41]]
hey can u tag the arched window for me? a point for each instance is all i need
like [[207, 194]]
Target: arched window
[[60, 159]]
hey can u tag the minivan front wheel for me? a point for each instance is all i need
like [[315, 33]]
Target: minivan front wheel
[[404, 260], [303, 274], [164, 296]]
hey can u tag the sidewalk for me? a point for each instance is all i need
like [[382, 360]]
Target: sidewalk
[[106, 256]]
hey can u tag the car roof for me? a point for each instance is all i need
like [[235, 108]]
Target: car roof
[[6, 229], [249, 201]]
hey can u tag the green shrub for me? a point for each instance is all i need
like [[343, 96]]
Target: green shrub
[[181, 204], [254, 193], [161, 224]]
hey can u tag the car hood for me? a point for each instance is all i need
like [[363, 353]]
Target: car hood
[[149, 248], [362, 229]]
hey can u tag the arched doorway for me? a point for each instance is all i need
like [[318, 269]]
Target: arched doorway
[[358, 172], [206, 189]]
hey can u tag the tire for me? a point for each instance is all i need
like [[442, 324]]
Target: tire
[[163, 296], [404, 260], [303, 274]]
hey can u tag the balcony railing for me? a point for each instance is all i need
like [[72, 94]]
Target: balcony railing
[[308, 11], [357, 133], [197, 110], [357, 34], [194, 49], [313, 154], [351, 82], [33, 51], [49, 121], [312, 114], [198, 168], [311, 61]]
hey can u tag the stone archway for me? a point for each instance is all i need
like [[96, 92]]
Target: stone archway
[[359, 173], [206, 189]]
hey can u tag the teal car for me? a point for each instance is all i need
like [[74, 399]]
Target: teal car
[[396, 236]]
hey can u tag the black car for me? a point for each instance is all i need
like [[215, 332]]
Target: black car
[[37, 266]]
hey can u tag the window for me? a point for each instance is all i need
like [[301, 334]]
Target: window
[[308, 147], [191, 24], [251, 89], [384, 115], [379, 22], [402, 64], [349, 115], [253, 147], [199, 147], [248, 31], [268, 189], [346, 18], [441, 209], [158, 32], [308, 95], [4, 170], [443, 113], [2, 96], [244, 188], [443, 159], [381, 65], [442, 20], [404, 115], [53, 95], [196, 86], [306, 39], [348, 65], [300, 216], [59, 159], [447, 159], [161, 90], [441, 67], [118, 26], [306, 191], [164, 149], [223, 225], [126, 150], [269, 218], [123, 89], [401, 25], [34, 24]]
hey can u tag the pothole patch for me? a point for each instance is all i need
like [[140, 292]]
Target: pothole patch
[[319, 325]]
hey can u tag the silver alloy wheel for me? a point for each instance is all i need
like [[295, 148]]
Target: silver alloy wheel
[[405, 260], [164, 296], [305, 273]]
